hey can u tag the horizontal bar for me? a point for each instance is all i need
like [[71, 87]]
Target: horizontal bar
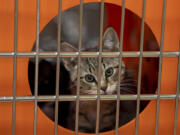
[[90, 54], [88, 97]]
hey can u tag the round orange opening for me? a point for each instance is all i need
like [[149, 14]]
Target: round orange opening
[[90, 39]]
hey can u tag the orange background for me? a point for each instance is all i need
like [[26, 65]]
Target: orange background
[[26, 38]]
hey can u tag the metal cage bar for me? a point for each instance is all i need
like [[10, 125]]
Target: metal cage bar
[[36, 65], [58, 67], [89, 54], [78, 70], [89, 97], [120, 63], [177, 95], [160, 67], [99, 66], [15, 66], [140, 67]]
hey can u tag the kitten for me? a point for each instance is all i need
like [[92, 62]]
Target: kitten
[[108, 83]]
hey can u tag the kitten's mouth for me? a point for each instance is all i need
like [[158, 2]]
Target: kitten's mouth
[[103, 92], [106, 93]]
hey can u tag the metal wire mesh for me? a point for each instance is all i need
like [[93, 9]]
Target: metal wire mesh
[[120, 63], [160, 67], [140, 54], [78, 72], [58, 68], [140, 67], [15, 66], [36, 66]]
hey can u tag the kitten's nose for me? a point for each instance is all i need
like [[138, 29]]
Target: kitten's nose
[[103, 88]]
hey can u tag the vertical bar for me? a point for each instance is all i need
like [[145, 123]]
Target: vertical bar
[[15, 66], [99, 66], [160, 67], [36, 65], [120, 63], [177, 94], [78, 72], [140, 67], [58, 68]]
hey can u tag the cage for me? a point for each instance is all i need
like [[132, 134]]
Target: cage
[[156, 21]]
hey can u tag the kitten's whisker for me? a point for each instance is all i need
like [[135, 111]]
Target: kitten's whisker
[[130, 81], [128, 91], [125, 88], [125, 85], [129, 88]]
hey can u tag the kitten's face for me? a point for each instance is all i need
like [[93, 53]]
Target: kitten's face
[[89, 68], [89, 75]]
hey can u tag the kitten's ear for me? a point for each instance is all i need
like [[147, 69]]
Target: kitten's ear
[[110, 40], [69, 63], [66, 47]]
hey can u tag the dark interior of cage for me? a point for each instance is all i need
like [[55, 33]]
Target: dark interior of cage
[[90, 39]]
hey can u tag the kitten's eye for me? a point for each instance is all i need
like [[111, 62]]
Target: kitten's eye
[[109, 72], [89, 78]]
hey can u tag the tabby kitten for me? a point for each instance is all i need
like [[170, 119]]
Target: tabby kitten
[[108, 83]]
